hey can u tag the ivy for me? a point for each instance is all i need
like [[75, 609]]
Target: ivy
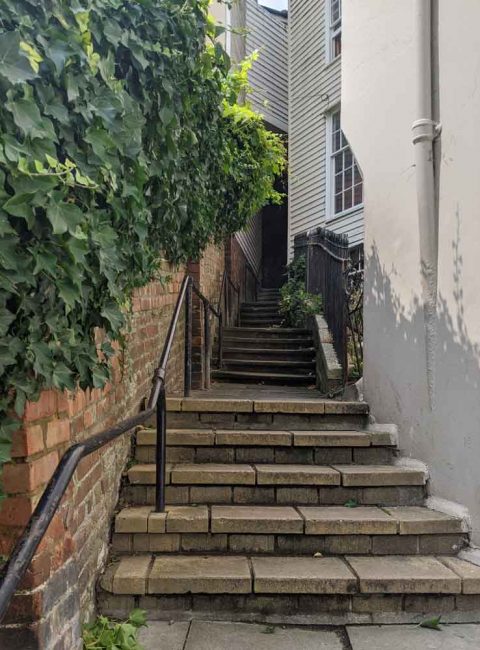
[[121, 141]]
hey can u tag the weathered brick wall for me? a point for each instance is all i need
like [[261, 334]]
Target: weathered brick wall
[[208, 273], [58, 591], [236, 264]]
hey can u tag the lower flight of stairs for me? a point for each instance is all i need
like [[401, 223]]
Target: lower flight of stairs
[[283, 511]]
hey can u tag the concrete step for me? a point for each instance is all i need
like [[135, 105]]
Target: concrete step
[[287, 530], [264, 377], [295, 589], [276, 343], [264, 474], [269, 353], [264, 304], [260, 320], [267, 332], [266, 414], [267, 366]]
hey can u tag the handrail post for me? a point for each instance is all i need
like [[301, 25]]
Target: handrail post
[[207, 345], [160, 454], [188, 342], [220, 340]]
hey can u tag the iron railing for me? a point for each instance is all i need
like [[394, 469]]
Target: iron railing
[[354, 300], [15, 568], [326, 255]]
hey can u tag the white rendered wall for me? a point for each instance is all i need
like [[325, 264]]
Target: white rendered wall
[[378, 103]]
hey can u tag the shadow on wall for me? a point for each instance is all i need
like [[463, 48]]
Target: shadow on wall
[[446, 433]]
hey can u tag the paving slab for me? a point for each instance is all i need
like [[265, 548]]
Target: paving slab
[[331, 439], [256, 519], [213, 474], [160, 635], [379, 475], [422, 521], [130, 576], [393, 574], [302, 575], [133, 520], [254, 438], [296, 475], [340, 520], [215, 574], [409, 637], [468, 572], [187, 519], [242, 636], [217, 405], [145, 474]]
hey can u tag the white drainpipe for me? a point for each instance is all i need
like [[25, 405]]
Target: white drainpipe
[[425, 130]]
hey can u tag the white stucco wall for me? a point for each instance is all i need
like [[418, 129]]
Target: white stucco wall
[[378, 103]]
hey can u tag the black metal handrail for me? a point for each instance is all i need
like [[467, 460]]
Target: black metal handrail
[[16, 567]]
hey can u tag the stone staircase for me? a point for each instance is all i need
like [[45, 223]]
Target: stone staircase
[[261, 351], [283, 510]]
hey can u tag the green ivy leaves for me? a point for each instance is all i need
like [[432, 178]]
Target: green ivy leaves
[[120, 143]]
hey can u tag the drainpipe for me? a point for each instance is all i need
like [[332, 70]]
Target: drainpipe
[[425, 130]]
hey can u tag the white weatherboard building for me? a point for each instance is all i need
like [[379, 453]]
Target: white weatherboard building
[[325, 181]]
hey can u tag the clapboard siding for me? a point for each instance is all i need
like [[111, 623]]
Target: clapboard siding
[[314, 90], [250, 240], [269, 75]]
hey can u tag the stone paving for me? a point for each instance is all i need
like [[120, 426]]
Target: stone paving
[[201, 635]]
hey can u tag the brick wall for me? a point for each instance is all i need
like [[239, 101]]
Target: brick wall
[[236, 264], [58, 591], [208, 273]]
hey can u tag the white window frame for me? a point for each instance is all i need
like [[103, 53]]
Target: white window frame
[[333, 29], [330, 176]]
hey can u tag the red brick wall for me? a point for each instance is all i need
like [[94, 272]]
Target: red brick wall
[[58, 591], [208, 273]]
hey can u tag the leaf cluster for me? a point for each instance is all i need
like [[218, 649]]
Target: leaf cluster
[[118, 145], [297, 304], [105, 634]]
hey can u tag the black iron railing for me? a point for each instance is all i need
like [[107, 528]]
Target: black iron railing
[[14, 570], [327, 256]]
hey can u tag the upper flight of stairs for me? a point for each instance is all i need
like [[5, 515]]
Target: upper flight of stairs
[[283, 511], [259, 350]]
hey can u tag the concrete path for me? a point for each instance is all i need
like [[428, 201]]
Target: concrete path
[[201, 635]]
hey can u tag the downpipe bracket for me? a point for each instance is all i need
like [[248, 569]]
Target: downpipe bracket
[[426, 130]]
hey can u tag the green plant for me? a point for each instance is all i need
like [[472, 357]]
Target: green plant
[[120, 143], [105, 634], [297, 304]]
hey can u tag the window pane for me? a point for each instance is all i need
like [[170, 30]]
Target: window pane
[[348, 177], [338, 183], [348, 158], [337, 140], [358, 194], [335, 10], [338, 204], [347, 199], [338, 163], [358, 176], [336, 121], [344, 141], [336, 45]]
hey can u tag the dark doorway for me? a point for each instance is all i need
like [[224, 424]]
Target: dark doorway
[[274, 244]]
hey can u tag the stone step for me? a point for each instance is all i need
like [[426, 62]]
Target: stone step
[[270, 366], [285, 530], [267, 332], [263, 474], [267, 414], [287, 354], [269, 322], [346, 575], [231, 446], [260, 308], [241, 341], [264, 377]]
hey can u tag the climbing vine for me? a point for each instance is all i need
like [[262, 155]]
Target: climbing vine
[[121, 140]]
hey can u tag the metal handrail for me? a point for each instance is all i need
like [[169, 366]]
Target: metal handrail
[[15, 568]]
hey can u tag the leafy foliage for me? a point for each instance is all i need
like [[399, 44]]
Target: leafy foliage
[[120, 141], [297, 304], [104, 634]]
